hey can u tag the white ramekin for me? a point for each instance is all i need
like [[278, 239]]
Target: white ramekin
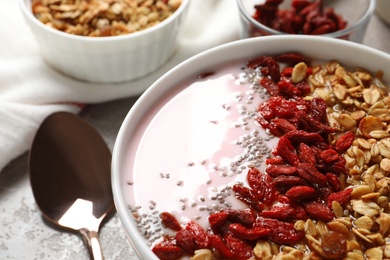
[[107, 59]]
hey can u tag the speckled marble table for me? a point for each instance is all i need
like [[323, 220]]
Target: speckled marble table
[[24, 234]]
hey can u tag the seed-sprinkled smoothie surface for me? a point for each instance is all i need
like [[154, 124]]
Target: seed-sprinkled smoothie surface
[[195, 147]]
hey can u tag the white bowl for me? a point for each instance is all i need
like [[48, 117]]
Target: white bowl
[[357, 17], [107, 59], [322, 48]]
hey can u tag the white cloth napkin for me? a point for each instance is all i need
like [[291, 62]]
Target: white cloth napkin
[[30, 90]]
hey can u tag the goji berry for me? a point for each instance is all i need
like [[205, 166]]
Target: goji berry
[[303, 86], [248, 233], [283, 125], [338, 167], [300, 136], [241, 249], [277, 160], [284, 182], [254, 178], [243, 216], [299, 193], [311, 124], [311, 174], [218, 219], [329, 155], [247, 196], [288, 89], [269, 191], [276, 170], [200, 235], [287, 72], [170, 221], [306, 154], [273, 69], [279, 211], [318, 109], [218, 244], [341, 197], [185, 240], [285, 150], [167, 249], [271, 87], [292, 58], [344, 142], [333, 181], [319, 211], [281, 232]]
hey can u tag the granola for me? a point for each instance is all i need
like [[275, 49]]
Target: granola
[[96, 18]]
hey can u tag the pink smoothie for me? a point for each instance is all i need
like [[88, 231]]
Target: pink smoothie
[[193, 147]]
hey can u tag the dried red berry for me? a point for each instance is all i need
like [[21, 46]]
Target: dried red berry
[[300, 136], [167, 249], [254, 178], [248, 233], [283, 125], [271, 87], [200, 236], [185, 240], [329, 155], [218, 219], [306, 154], [218, 244], [170, 221], [243, 216], [311, 174], [333, 181], [291, 58], [319, 211], [281, 232], [344, 142], [300, 193], [288, 89], [241, 249], [285, 150], [283, 182], [279, 211], [341, 197], [276, 170], [311, 124], [318, 109], [247, 196]]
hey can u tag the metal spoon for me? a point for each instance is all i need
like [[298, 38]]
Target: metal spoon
[[70, 176]]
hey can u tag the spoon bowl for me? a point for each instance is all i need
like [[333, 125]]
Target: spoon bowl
[[70, 176]]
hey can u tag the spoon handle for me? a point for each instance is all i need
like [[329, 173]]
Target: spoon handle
[[91, 238]]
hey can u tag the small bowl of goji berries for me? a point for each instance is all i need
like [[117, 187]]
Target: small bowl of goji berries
[[105, 41], [343, 19]]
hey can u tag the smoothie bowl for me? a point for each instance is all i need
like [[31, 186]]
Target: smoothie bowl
[[263, 148]]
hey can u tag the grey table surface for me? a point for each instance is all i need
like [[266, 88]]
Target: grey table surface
[[23, 233]]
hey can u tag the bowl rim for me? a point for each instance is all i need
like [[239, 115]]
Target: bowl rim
[[157, 90], [337, 34], [28, 13]]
